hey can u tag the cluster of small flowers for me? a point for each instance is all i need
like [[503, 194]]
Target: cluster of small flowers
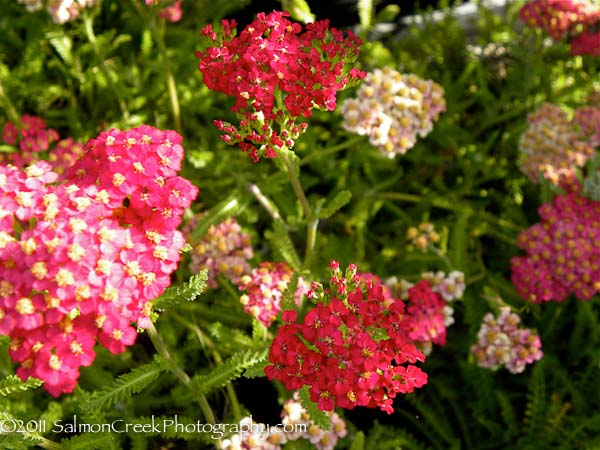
[[552, 146], [296, 424], [392, 109], [225, 249], [265, 288], [265, 69], [562, 251], [61, 11], [35, 139], [82, 258], [171, 13], [577, 20], [423, 236], [353, 348], [588, 120], [502, 343], [428, 312]]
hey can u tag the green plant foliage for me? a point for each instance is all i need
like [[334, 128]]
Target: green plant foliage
[[188, 292], [12, 383]]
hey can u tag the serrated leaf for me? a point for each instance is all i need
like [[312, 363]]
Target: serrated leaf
[[282, 244], [259, 332], [257, 370], [126, 385], [187, 292], [62, 44], [318, 417], [339, 201], [89, 441], [231, 369], [13, 383]]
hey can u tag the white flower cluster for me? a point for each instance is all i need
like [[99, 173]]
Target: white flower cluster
[[295, 424], [392, 109], [61, 10]]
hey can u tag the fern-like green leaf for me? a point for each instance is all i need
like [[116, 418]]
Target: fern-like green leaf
[[126, 385], [257, 370], [89, 441], [339, 201], [535, 410], [436, 423], [231, 369], [13, 383], [187, 292], [319, 418], [282, 244]]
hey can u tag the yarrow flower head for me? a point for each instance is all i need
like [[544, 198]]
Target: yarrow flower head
[[502, 343], [588, 120], [83, 255], [428, 313], [265, 287], [552, 146], [170, 10], [423, 236], [61, 11], [352, 349], [295, 424], [562, 251], [577, 20], [224, 250], [393, 109], [35, 142], [277, 73]]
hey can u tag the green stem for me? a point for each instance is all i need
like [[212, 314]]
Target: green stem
[[89, 31], [207, 342], [157, 35], [10, 108], [331, 150], [163, 351], [311, 222]]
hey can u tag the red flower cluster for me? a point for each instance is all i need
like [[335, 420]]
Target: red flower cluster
[[563, 251], [352, 349], [277, 74], [34, 140], [577, 20], [81, 259]]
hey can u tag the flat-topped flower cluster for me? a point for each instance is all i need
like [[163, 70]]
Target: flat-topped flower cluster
[[82, 255], [277, 74]]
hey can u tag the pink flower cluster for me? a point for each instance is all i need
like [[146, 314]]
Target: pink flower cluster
[[352, 349], [170, 12], [61, 11], [225, 249], [588, 120], [392, 109], [501, 343], [265, 287], [563, 255], [35, 140], [552, 146], [296, 424], [83, 255], [277, 74], [577, 20]]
